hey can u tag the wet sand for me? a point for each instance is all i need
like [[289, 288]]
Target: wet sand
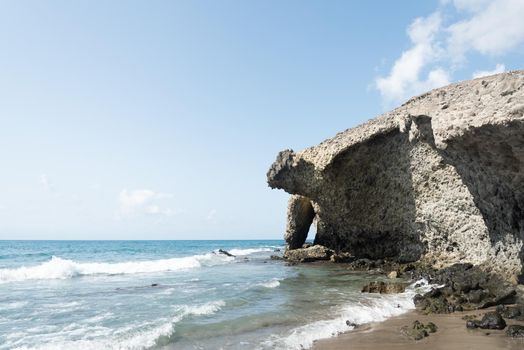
[[452, 334]]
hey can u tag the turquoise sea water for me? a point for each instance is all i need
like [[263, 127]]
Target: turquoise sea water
[[175, 295]]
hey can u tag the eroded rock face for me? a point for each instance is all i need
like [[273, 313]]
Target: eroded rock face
[[440, 178], [300, 215]]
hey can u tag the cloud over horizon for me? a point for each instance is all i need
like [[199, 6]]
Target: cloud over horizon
[[139, 202], [44, 182]]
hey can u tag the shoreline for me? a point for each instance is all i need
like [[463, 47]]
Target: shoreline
[[452, 334]]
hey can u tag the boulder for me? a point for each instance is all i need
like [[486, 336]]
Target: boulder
[[441, 178], [512, 312], [466, 287], [393, 274], [418, 330], [342, 258], [490, 320], [384, 287], [515, 331], [309, 254]]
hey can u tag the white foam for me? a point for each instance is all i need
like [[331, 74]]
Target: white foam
[[13, 305], [270, 284], [242, 252], [98, 318], [143, 336], [58, 268], [204, 309], [373, 309]]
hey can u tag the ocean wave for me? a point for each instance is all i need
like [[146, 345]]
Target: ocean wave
[[139, 337], [270, 284], [13, 305], [374, 309], [203, 309], [58, 268], [242, 252]]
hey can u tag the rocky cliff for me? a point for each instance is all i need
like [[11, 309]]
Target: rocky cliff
[[440, 178]]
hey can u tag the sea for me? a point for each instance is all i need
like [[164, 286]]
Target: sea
[[178, 295]]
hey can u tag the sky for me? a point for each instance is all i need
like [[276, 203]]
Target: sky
[[159, 119]]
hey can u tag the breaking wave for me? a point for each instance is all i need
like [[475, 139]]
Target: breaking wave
[[143, 336], [374, 309], [58, 268]]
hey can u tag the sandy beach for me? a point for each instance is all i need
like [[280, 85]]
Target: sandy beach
[[452, 334]]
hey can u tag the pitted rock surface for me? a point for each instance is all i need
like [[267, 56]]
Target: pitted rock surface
[[440, 178]]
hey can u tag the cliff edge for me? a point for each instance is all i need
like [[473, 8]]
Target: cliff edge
[[440, 178]]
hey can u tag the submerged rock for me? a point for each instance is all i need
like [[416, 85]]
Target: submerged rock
[[440, 178], [351, 324], [309, 254], [226, 253], [384, 287]]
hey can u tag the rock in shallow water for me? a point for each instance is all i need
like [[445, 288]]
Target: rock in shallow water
[[384, 287], [309, 254]]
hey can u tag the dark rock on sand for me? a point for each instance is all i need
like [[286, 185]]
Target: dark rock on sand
[[418, 330], [309, 254], [515, 331], [472, 324], [490, 320], [384, 287], [512, 312], [466, 287]]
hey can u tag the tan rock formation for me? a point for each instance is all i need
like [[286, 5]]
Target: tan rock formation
[[439, 178]]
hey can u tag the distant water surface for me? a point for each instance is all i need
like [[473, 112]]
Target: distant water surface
[[176, 295]]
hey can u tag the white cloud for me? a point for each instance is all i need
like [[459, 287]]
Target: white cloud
[[137, 202], [211, 215], [496, 27], [488, 27], [499, 68], [156, 210], [44, 182], [470, 5], [405, 76]]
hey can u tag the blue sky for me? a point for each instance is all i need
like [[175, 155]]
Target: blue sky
[[159, 119]]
